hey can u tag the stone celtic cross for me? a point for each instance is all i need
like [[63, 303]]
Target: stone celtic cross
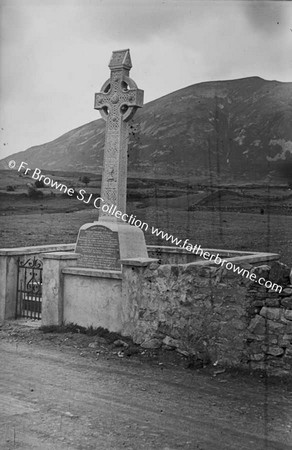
[[117, 102]]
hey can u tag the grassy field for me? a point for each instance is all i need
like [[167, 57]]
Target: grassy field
[[249, 232], [57, 219]]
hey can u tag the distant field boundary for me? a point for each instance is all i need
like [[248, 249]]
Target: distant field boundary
[[278, 210]]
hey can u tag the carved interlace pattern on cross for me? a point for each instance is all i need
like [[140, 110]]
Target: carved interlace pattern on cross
[[114, 98], [112, 143]]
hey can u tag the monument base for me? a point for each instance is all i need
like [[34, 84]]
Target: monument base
[[103, 244]]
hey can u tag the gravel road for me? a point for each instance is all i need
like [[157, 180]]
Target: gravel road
[[53, 397]]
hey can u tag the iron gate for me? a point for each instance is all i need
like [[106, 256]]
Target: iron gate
[[29, 288]]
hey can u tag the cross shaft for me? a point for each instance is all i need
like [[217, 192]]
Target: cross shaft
[[117, 102]]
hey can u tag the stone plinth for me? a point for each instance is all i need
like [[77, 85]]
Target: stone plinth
[[101, 245]]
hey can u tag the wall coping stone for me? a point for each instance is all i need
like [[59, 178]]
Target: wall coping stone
[[140, 262], [87, 272], [61, 255], [251, 258], [37, 249], [239, 256], [170, 249]]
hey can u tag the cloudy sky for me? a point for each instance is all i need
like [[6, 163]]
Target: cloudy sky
[[54, 54]]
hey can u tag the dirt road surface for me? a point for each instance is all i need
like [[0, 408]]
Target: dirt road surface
[[55, 398]]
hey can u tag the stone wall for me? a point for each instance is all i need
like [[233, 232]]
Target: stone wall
[[269, 332], [93, 298], [177, 255], [196, 309], [212, 313]]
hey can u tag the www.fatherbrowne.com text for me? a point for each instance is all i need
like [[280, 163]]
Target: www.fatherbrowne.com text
[[99, 203]]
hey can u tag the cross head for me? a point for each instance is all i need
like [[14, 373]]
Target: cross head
[[119, 97]]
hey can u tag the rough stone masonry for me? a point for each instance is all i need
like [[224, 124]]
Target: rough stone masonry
[[212, 314]]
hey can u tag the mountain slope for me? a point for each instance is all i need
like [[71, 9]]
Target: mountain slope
[[237, 129]]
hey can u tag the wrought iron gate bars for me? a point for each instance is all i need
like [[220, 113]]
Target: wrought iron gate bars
[[29, 288]]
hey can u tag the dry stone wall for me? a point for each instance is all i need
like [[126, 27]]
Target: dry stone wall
[[212, 313], [269, 333]]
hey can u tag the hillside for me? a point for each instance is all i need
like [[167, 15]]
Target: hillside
[[225, 130]]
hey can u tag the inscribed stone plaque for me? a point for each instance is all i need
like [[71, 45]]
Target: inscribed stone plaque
[[99, 248]]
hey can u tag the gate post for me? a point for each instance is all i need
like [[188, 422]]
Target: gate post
[[53, 285], [8, 285]]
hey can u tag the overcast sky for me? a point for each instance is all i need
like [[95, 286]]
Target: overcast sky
[[55, 53]]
